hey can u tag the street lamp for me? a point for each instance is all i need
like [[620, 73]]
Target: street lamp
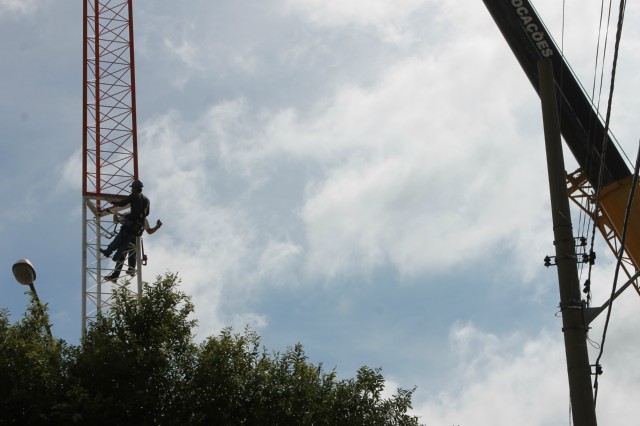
[[25, 274]]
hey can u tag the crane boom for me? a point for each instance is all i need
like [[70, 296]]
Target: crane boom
[[581, 126]]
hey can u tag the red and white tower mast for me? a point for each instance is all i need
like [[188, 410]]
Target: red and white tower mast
[[109, 142]]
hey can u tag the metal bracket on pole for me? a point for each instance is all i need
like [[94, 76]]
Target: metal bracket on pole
[[592, 313]]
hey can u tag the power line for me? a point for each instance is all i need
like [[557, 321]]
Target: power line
[[618, 264], [600, 176], [607, 120]]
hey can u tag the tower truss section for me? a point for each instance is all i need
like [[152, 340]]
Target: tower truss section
[[110, 157]]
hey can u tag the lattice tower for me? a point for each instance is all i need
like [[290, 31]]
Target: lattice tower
[[110, 157]]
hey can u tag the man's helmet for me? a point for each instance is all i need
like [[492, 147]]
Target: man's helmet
[[136, 184]]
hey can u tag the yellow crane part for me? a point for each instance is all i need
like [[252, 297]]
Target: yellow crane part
[[613, 202]]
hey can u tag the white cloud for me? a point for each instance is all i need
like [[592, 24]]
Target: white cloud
[[185, 52], [277, 260], [388, 17], [501, 380], [197, 56], [252, 320], [402, 173], [405, 180], [71, 172], [23, 7], [205, 241]]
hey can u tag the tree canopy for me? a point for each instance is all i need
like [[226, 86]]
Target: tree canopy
[[139, 364]]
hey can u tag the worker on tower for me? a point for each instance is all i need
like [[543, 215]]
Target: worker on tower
[[132, 227], [131, 251]]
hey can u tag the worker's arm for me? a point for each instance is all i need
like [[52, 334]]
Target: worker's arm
[[116, 203], [121, 203], [155, 228]]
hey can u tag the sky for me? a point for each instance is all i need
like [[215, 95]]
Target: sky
[[367, 178]]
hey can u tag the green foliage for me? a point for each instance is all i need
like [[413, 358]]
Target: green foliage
[[135, 365], [240, 384], [32, 369], [139, 365]]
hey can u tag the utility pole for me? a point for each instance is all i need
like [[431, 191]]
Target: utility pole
[[574, 325]]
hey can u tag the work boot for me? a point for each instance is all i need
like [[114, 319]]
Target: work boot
[[105, 253], [111, 278], [131, 271]]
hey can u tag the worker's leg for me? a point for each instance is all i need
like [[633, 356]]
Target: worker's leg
[[124, 250], [115, 243], [131, 260]]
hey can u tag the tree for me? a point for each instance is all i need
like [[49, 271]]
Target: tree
[[138, 364], [240, 384], [135, 364], [31, 368]]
